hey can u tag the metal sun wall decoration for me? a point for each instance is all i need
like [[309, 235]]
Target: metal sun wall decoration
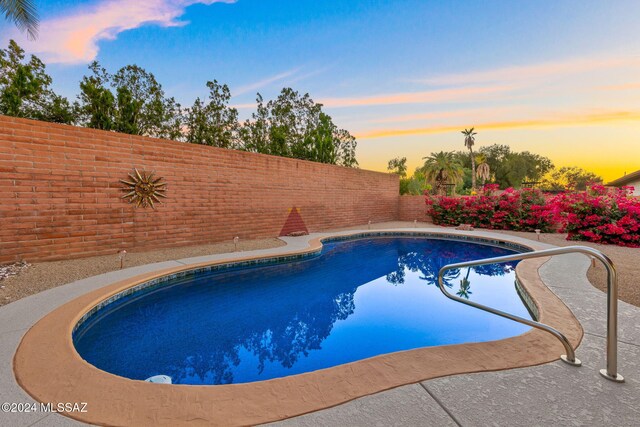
[[143, 189]]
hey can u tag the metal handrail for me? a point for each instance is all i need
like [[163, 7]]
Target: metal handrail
[[611, 371]]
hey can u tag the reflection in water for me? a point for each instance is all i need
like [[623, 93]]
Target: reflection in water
[[465, 286], [266, 322], [429, 261]]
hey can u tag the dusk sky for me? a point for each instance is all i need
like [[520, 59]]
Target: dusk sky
[[557, 78]]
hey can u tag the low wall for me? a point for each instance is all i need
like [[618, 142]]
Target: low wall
[[411, 208], [61, 196]]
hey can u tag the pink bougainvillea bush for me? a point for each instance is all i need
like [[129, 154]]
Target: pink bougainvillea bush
[[600, 215], [522, 210]]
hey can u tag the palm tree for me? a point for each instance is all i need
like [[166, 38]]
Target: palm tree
[[23, 14], [465, 286], [440, 168], [483, 171], [469, 140]]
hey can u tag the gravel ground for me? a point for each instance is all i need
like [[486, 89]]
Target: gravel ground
[[45, 275], [41, 276], [14, 269]]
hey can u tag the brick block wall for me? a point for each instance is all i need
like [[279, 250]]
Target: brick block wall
[[412, 207], [60, 195]]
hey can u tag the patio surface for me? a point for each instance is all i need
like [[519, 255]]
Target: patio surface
[[549, 394]]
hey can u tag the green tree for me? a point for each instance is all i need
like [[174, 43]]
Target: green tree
[[254, 134], [20, 88], [150, 112], [510, 169], [469, 141], [293, 125], [462, 157], [97, 105], [127, 111], [495, 155], [213, 123], [570, 178], [172, 121], [345, 144], [398, 166], [25, 88], [320, 141], [23, 14], [415, 184], [130, 101], [294, 116], [525, 166], [442, 168]]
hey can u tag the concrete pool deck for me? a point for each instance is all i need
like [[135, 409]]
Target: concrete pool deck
[[553, 393]]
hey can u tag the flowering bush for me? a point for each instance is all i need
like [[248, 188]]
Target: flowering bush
[[523, 210], [600, 215]]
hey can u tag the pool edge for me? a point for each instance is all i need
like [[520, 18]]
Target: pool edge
[[48, 368]]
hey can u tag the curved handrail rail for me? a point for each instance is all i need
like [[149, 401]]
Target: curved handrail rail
[[612, 302]]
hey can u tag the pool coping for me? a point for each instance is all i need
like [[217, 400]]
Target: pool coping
[[47, 366]]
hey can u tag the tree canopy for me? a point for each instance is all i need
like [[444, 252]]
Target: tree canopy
[[293, 125], [511, 169], [571, 178], [129, 101], [132, 101], [213, 122], [442, 168], [398, 166], [25, 88], [496, 164]]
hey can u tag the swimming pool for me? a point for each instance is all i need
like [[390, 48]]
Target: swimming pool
[[357, 299]]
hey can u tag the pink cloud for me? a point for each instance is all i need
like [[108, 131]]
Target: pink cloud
[[624, 87], [471, 113], [534, 72], [74, 37], [440, 95]]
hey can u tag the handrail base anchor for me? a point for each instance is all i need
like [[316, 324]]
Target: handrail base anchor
[[618, 378], [575, 362]]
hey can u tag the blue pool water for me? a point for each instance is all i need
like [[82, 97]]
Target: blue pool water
[[358, 299]]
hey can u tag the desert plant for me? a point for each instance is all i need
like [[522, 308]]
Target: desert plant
[[469, 141], [441, 168], [483, 171]]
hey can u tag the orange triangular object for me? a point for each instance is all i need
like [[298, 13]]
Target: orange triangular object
[[294, 223]]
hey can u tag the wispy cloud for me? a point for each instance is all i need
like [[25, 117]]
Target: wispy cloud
[[285, 78], [600, 118], [309, 74], [265, 82], [245, 106], [624, 86], [74, 37], [533, 72], [472, 113], [439, 95]]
